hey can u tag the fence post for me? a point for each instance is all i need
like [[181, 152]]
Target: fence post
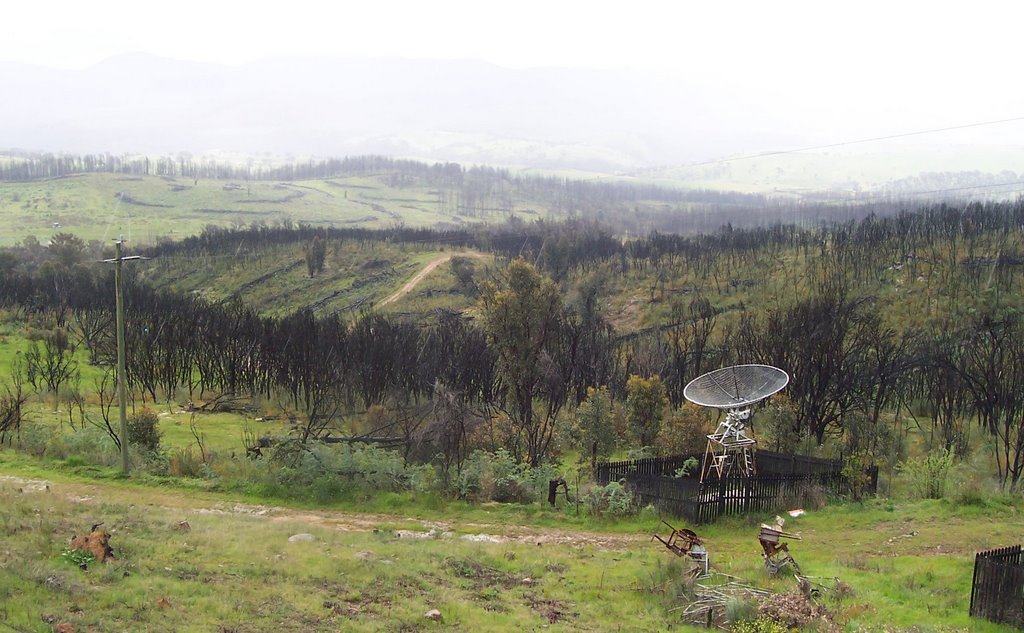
[[974, 583], [721, 497]]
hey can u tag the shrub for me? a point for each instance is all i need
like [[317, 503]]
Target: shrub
[[855, 474], [507, 479], [689, 467], [143, 432], [927, 475], [185, 462], [498, 477], [34, 439], [613, 500], [89, 444]]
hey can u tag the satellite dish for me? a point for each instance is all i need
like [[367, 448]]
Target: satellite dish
[[730, 448], [735, 387]]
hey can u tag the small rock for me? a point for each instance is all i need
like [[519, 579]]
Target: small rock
[[481, 538], [301, 538], [433, 614], [527, 581]]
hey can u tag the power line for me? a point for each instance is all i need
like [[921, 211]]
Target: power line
[[899, 194]]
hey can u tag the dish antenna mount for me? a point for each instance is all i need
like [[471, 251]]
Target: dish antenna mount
[[735, 389]]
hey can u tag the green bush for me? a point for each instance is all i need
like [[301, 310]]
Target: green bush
[[689, 467], [613, 500], [90, 444], [186, 462], [33, 439], [143, 433], [498, 477], [323, 472], [927, 475]]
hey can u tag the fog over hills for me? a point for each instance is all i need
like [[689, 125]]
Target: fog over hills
[[465, 111], [455, 110]]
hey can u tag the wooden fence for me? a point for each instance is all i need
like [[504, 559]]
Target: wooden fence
[[765, 463], [649, 466], [997, 591], [781, 480]]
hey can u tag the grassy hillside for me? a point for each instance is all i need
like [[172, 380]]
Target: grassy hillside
[[151, 208], [356, 275]]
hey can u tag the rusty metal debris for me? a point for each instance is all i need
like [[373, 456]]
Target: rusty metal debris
[[776, 552], [685, 543]]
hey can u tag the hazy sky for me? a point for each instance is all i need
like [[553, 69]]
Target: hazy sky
[[881, 66], [888, 40]]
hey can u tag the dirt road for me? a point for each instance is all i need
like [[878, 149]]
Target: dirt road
[[408, 287], [190, 503]]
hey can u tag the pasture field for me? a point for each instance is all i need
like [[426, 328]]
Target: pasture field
[[153, 208]]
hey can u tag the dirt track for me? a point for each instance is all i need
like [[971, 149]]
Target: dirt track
[[412, 283], [188, 504]]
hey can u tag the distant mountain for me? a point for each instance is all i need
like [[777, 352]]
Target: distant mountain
[[467, 111], [625, 122]]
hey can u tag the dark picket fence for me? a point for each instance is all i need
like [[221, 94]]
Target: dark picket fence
[[781, 480], [649, 466], [765, 463], [997, 591]]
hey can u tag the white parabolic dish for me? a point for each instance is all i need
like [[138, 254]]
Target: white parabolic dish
[[735, 387]]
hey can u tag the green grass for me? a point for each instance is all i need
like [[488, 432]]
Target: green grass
[[239, 572], [908, 564], [154, 208], [356, 276]]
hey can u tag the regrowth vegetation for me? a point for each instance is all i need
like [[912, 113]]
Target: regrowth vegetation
[[901, 335], [915, 313]]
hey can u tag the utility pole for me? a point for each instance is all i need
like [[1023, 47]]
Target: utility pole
[[122, 389]]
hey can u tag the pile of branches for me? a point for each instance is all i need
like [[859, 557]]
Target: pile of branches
[[709, 600], [708, 607]]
